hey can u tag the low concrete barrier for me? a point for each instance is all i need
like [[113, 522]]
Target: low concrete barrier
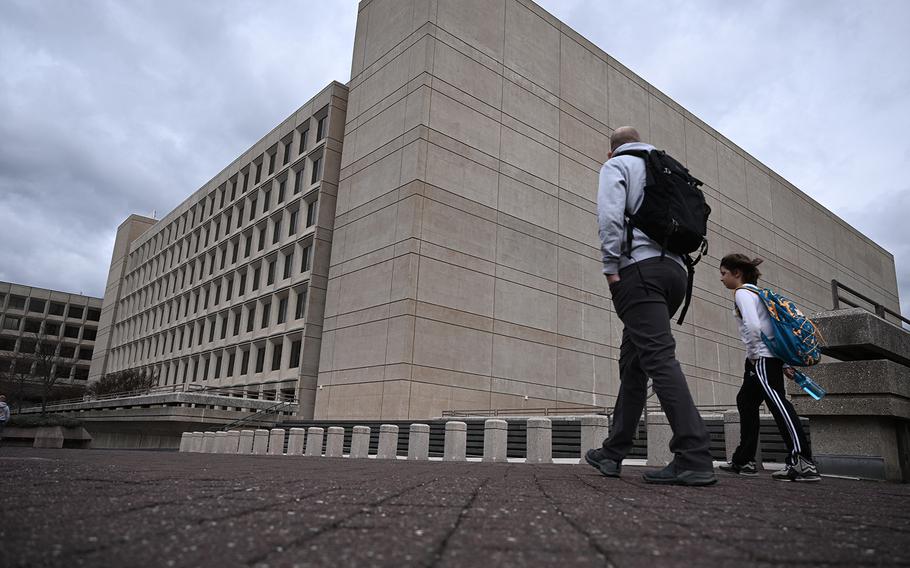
[[296, 439], [261, 442], [48, 437], [185, 440], [388, 442], [246, 442], [419, 442], [314, 441], [540, 441], [218, 446], [659, 434], [208, 442], [456, 442], [732, 433], [334, 442], [594, 430], [495, 437], [360, 442], [231, 442], [276, 441]]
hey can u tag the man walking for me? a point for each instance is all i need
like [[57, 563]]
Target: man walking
[[648, 284], [4, 414]]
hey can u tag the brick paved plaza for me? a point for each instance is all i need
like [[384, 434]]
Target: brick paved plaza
[[140, 508]]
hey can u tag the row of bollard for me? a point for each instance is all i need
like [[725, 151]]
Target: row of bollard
[[310, 441]]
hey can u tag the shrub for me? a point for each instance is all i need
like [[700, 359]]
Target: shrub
[[40, 420]]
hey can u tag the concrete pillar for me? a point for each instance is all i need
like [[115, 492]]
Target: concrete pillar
[[540, 440], [659, 434], [231, 442], [261, 442], [495, 436], [246, 442], [733, 433], [388, 442], [185, 440], [276, 442], [360, 442], [218, 446], [196, 443], [208, 441], [594, 430], [314, 441], [419, 442], [456, 441], [296, 438], [334, 442]]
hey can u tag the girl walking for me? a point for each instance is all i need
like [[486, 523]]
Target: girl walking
[[763, 380]]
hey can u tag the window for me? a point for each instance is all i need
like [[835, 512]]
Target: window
[[93, 314], [252, 210], [281, 186], [233, 189], [85, 353], [205, 373], [247, 245], [18, 303], [217, 294], [236, 323], [266, 200], [317, 170], [51, 329], [68, 351], [71, 331], [266, 311], [282, 310], [89, 334], [300, 309], [250, 317], [232, 358], [276, 231], [295, 355], [311, 214], [304, 135], [55, 309], [320, 128], [261, 238], [305, 263], [36, 305], [211, 331], [260, 358], [270, 273], [13, 323], [242, 287], [224, 324], [234, 252], [246, 181], [272, 162], [258, 172], [217, 367], [288, 266], [257, 276], [244, 361], [292, 222], [276, 357], [287, 152], [223, 252], [229, 290], [32, 326], [298, 182]]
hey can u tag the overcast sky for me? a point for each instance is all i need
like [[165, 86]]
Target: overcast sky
[[115, 107]]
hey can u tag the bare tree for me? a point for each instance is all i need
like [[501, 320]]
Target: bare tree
[[130, 380], [17, 372], [46, 366]]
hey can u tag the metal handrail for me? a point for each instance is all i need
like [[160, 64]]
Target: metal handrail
[[274, 409], [879, 309]]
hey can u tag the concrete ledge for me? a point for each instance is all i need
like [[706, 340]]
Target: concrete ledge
[[856, 334], [858, 377]]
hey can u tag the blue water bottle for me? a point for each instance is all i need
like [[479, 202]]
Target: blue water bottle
[[812, 388]]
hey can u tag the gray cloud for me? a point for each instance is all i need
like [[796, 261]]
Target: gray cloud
[[111, 108]]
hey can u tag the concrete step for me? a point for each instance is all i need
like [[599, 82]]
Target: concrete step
[[856, 388], [856, 334]]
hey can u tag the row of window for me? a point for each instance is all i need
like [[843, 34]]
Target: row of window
[[247, 318], [232, 287], [242, 360], [49, 329], [59, 370], [228, 192], [272, 231], [49, 307], [29, 346]]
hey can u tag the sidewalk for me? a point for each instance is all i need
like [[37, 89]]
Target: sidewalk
[[140, 508]]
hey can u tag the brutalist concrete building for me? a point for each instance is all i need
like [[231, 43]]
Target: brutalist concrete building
[[441, 250]]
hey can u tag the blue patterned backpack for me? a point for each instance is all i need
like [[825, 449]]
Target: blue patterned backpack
[[796, 340]]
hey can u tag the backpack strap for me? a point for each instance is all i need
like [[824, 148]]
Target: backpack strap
[[690, 268], [630, 224]]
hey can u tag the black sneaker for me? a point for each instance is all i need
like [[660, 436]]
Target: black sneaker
[[670, 476], [747, 468], [802, 471], [606, 466]]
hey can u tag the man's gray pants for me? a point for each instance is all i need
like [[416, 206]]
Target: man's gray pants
[[646, 297]]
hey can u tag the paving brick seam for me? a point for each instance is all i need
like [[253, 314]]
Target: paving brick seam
[[440, 550]]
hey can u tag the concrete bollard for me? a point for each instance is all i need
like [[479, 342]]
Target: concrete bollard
[[208, 442], [218, 447], [659, 434], [456, 443], [732, 434], [540, 441], [495, 437], [231, 442], [296, 438], [185, 440], [334, 442], [388, 442], [314, 441], [419, 442], [261, 442], [196, 442], [246, 442], [594, 430], [276, 441], [360, 442]]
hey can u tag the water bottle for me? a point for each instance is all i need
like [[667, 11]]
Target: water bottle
[[812, 388]]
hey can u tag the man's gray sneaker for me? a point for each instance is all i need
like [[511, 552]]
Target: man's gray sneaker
[[606, 466], [670, 476], [801, 471]]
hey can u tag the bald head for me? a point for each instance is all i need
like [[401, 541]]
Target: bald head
[[623, 135]]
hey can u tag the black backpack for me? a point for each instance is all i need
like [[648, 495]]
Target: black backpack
[[673, 212]]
